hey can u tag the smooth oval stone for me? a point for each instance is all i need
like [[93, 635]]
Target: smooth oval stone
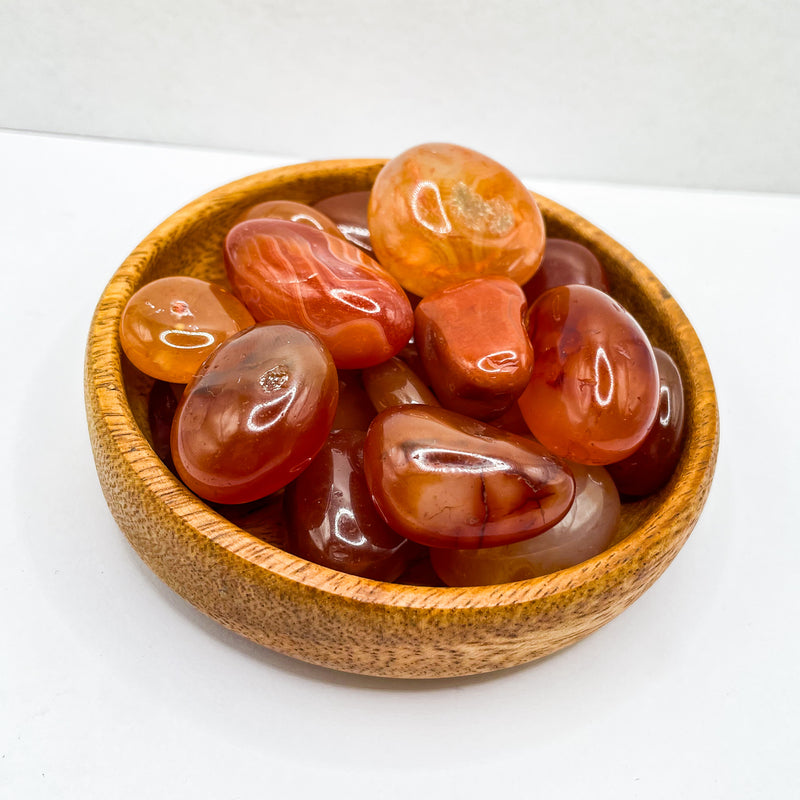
[[291, 211], [587, 529], [654, 461], [440, 214], [474, 346], [445, 480], [332, 521], [255, 414], [171, 325], [394, 383], [354, 410], [593, 393], [565, 263], [349, 213], [282, 270]]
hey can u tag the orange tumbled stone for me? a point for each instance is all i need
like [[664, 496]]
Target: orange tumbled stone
[[593, 394], [292, 212], [474, 346], [394, 383], [587, 529], [283, 270], [171, 325], [440, 214]]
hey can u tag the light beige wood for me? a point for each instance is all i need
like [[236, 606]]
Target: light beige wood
[[338, 620]]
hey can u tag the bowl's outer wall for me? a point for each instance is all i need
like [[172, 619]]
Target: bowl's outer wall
[[339, 620]]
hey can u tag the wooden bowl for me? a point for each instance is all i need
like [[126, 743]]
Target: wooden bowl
[[310, 612]]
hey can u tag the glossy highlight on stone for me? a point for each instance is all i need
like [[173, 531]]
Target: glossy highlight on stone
[[474, 346], [255, 414], [282, 270], [565, 263], [332, 521], [445, 480], [292, 212], [587, 529], [171, 325], [394, 383], [349, 213], [440, 214], [654, 461], [593, 393]]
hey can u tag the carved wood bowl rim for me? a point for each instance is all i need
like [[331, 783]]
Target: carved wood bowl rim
[[140, 489]]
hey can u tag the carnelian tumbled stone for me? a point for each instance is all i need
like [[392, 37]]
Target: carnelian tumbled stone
[[255, 414], [282, 270], [654, 461], [440, 214], [292, 212], [474, 345], [565, 263], [593, 393], [445, 480], [332, 520], [171, 325], [349, 212], [587, 529], [394, 383]]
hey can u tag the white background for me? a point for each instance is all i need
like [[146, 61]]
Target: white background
[[684, 93], [113, 687]]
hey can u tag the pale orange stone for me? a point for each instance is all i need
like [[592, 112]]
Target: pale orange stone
[[440, 214]]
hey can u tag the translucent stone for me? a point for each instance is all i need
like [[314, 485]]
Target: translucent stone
[[440, 214], [445, 480], [282, 270], [565, 263], [593, 393], [171, 325], [587, 529], [332, 521], [349, 212], [652, 464], [255, 414], [394, 383], [292, 212]]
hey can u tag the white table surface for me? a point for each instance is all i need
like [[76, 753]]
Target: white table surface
[[112, 686]]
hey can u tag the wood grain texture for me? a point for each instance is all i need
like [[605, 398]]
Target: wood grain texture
[[341, 621]]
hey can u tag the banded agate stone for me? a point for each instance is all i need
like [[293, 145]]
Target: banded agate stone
[[332, 520], [446, 480], [440, 214], [282, 270], [170, 326], [593, 393], [474, 345], [587, 529], [256, 413]]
